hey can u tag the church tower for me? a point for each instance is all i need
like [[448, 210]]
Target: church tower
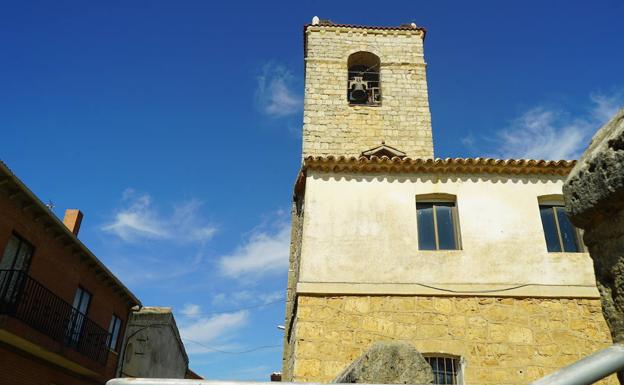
[[365, 86], [471, 260]]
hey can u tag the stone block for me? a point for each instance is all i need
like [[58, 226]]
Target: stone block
[[388, 363], [594, 195]]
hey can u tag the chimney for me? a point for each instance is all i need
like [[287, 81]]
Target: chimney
[[73, 218]]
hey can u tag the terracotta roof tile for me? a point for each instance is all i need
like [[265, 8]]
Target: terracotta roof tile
[[438, 165]]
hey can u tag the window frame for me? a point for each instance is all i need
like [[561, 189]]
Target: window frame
[[22, 241], [459, 366], [440, 198], [554, 205], [77, 319], [112, 344]]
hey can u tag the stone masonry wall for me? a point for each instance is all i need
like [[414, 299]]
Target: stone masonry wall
[[288, 359], [501, 340], [332, 126]]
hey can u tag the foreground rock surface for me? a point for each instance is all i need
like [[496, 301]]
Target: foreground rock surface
[[594, 195], [388, 363]]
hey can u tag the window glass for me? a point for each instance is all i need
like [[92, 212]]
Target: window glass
[[81, 306], [550, 229], [568, 231], [16, 254], [446, 228], [426, 233], [81, 300], [437, 226], [113, 330], [8, 258], [559, 232]]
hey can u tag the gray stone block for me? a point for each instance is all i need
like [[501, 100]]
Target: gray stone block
[[594, 190], [594, 195], [388, 363]]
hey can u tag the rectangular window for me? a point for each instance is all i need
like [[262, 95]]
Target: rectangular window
[[446, 370], [437, 226], [14, 260], [560, 234], [82, 299], [113, 331], [16, 254]]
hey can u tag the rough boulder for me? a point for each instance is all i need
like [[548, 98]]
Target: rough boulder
[[388, 363]]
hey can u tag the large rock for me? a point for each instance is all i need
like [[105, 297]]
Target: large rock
[[388, 363], [594, 195]]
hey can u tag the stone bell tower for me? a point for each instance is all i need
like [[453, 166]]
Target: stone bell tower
[[365, 86]]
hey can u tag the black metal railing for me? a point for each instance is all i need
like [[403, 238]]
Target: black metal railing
[[29, 301]]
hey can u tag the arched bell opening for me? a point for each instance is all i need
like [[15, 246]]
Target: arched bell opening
[[364, 86]]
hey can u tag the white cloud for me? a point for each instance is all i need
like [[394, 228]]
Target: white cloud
[[541, 134], [140, 220], [606, 106], [191, 310], [212, 331], [262, 254], [274, 94], [545, 133], [273, 296]]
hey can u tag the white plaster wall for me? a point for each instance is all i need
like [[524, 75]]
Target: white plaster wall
[[361, 228]]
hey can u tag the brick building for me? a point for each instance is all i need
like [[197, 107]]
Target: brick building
[[471, 260], [62, 312]]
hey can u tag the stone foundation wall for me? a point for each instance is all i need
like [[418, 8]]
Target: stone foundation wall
[[501, 340]]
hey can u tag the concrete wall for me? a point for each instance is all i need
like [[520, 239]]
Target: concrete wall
[[153, 348], [360, 236], [332, 126]]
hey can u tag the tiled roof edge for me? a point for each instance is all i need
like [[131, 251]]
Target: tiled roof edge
[[446, 165]]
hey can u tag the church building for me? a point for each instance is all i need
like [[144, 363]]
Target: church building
[[471, 260]]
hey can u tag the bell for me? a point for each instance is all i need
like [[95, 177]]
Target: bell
[[358, 90], [358, 93]]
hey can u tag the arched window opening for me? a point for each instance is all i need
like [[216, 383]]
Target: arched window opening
[[364, 87]]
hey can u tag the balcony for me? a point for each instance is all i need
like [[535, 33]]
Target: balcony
[[29, 301]]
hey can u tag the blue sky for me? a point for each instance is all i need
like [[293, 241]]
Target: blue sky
[[175, 127]]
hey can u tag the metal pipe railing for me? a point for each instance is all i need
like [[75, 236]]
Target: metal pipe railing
[[589, 369], [29, 301]]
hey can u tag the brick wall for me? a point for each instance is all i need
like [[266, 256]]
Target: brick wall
[[502, 340], [19, 369], [56, 266], [332, 126]]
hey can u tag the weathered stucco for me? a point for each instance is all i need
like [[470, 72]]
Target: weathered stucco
[[152, 347], [333, 127], [360, 230]]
